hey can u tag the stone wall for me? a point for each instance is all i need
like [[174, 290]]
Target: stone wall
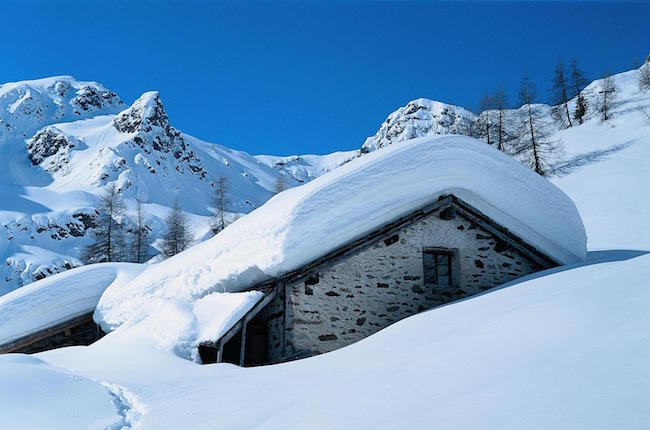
[[383, 282], [82, 333]]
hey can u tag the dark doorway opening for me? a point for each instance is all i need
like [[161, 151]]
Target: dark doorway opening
[[255, 352]]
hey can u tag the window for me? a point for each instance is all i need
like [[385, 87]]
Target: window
[[437, 267]]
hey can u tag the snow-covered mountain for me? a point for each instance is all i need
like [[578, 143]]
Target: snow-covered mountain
[[423, 117], [64, 141], [419, 118]]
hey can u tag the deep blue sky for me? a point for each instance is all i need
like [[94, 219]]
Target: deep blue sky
[[312, 77]]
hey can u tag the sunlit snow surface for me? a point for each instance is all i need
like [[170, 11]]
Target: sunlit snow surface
[[568, 348]]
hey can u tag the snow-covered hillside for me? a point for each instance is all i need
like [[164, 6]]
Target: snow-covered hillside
[[64, 141], [602, 166]]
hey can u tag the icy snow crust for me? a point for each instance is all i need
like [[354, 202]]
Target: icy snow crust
[[307, 222], [59, 298]]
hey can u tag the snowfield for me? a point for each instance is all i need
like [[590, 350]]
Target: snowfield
[[566, 350]]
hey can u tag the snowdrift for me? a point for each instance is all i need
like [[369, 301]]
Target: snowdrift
[[305, 223], [565, 350]]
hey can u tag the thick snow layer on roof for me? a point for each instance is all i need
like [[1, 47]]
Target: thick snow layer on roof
[[59, 298], [217, 312], [307, 222]]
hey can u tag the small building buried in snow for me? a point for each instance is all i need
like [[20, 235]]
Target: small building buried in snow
[[444, 251], [396, 232]]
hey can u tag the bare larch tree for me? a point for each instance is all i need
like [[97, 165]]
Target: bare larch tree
[[139, 234], [578, 83], [500, 105], [607, 94], [644, 75], [178, 235], [560, 98], [221, 200], [485, 118], [109, 238], [531, 147]]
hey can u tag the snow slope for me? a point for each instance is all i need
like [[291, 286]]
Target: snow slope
[[305, 223], [606, 169], [565, 350], [37, 395], [64, 141], [56, 299]]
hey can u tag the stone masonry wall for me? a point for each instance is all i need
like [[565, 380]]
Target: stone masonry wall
[[383, 283]]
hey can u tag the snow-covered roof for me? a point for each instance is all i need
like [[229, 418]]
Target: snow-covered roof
[[59, 298], [305, 223]]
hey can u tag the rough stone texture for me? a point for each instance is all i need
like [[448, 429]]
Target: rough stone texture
[[383, 283]]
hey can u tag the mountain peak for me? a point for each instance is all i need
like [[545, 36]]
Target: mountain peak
[[144, 114], [420, 117]]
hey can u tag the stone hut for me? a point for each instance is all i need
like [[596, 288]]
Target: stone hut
[[458, 243]]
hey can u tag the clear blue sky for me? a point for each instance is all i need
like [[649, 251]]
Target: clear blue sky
[[312, 77]]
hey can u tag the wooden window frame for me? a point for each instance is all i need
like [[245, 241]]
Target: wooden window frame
[[452, 269]]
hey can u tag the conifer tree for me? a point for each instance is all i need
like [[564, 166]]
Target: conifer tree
[[607, 95], [140, 232], [280, 183], [644, 75], [218, 221], [178, 236], [578, 83], [109, 239]]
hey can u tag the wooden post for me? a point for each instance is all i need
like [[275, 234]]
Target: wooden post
[[283, 335], [242, 347], [219, 352]]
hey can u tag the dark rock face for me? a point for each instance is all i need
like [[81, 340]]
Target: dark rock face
[[91, 98], [46, 143], [148, 119]]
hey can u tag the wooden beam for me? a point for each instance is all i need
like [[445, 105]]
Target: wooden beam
[[283, 335], [242, 344], [219, 352]]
